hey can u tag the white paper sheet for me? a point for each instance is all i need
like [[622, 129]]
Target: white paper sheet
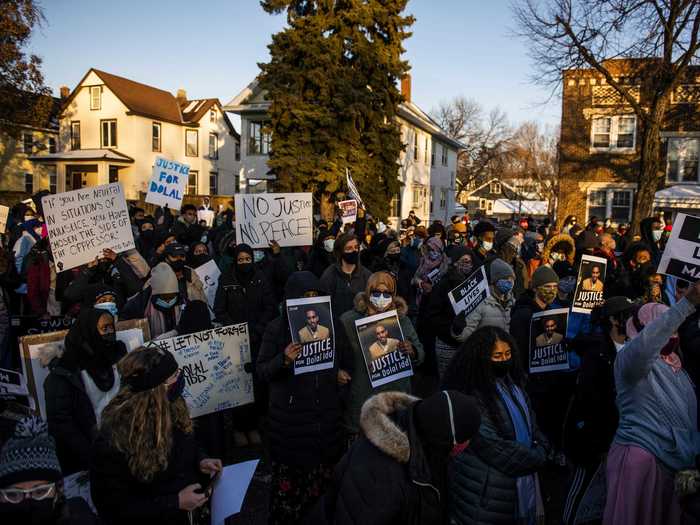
[[230, 490]]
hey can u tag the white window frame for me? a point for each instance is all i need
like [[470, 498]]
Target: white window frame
[[52, 145], [445, 156], [614, 128], [261, 144], [195, 174], [75, 137], [213, 177], [29, 178], [156, 136], [212, 115], [53, 178], [188, 133], [610, 191], [213, 151], [95, 98], [111, 138], [495, 188], [426, 156], [680, 161], [31, 143], [482, 204], [443, 198]]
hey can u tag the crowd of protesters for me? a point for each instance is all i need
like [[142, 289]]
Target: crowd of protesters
[[468, 439]]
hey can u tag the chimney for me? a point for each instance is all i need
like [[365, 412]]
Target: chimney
[[406, 87], [65, 91], [181, 95]]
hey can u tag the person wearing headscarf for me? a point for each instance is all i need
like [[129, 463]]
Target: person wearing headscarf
[[380, 296], [321, 254], [347, 277], [146, 467], [198, 255], [30, 234], [431, 268], [559, 248], [80, 384], [146, 240], [304, 418], [397, 471], [658, 432]]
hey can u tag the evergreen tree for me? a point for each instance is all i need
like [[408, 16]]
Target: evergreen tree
[[332, 82]]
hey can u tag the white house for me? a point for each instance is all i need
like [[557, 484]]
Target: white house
[[112, 129], [428, 166]]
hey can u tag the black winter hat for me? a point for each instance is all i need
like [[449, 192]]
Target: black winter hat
[[483, 227], [446, 418]]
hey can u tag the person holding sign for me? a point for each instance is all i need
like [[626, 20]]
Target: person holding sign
[[379, 296], [304, 420], [146, 467]]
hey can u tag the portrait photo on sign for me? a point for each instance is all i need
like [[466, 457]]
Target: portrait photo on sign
[[547, 342], [379, 336], [311, 325], [590, 284]]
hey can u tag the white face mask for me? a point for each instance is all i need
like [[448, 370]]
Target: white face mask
[[656, 235], [487, 245], [381, 303], [556, 256], [328, 245]]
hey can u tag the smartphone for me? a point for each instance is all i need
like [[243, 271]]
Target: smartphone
[[206, 482]]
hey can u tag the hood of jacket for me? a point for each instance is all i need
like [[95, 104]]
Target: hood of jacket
[[364, 306], [300, 283], [378, 424], [551, 243]]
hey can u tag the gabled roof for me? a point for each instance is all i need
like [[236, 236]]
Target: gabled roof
[[93, 154], [494, 179]]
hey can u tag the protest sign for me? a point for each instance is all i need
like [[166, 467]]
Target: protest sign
[[168, 183], [348, 211], [209, 274], [265, 217], [82, 223], [213, 363], [311, 325], [681, 257], [590, 284], [379, 337], [547, 345], [4, 212], [38, 351], [229, 490], [352, 189], [12, 383], [471, 293], [206, 216]]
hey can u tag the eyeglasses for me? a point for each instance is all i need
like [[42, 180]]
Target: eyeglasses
[[377, 294], [37, 493]]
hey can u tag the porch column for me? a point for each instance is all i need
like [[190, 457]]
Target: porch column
[[60, 177], [102, 173]]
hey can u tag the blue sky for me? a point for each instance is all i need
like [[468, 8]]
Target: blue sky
[[458, 47]]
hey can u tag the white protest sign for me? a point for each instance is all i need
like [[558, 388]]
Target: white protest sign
[[352, 189], [213, 365], [681, 257], [230, 489], [206, 216], [82, 223], [348, 211], [12, 383], [168, 183], [4, 212], [209, 274], [282, 217], [471, 293]]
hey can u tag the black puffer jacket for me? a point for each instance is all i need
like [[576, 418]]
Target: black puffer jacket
[[305, 410], [384, 478], [439, 312], [483, 484], [343, 287]]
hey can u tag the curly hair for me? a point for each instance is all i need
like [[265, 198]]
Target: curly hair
[[140, 424]]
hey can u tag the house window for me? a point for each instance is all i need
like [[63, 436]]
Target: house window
[[155, 136], [109, 133], [395, 205], [96, 97], [213, 146], [192, 183], [113, 174], [191, 143], [425, 151], [682, 160], [613, 203], [29, 182], [495, 187], [212, 115], [482, 204], [213, 182], [452, 179], [53, 179], [52, 145], [432, 196], [238, 151], [75, 135], [432, 155], [614, 133], [444, 155], [489, 206], [28, 143], [443, 198], [258, 140], [415, 145], [416, 197]]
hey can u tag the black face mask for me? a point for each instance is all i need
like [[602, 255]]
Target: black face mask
[[148, 235], [393, 257], [177, 388], [29, 512], [199, 260], [109, 339], [244, 268], [501, 368], [351, 257], [177, 266]]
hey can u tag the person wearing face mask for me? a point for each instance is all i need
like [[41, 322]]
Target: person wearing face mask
[[495, 309], [567, 284], [31, 233], [651, 230], [560, 247], [145, 465], [146, 240], [31, 481], [81, 382], [657, 434], [495, 481], [198, 255], [485, 234], [532, 252], [321, 254], [245, 296], [186, 228], [380, 296], [397, 471], [189, 284]]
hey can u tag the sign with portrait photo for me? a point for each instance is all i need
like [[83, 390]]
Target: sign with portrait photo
[[311, 325], [548, 351], [590, 284], [379, 337], [348, 211], [681, 257]]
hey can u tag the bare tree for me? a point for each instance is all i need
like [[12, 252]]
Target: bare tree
[[572, 34]]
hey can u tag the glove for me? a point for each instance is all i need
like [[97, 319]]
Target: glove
[[459, 323]]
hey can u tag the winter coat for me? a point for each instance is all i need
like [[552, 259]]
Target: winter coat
[[384, 478], [520, 316], [70, 416], [439, 313], [556, 239], [187, 234], [491, 312], [120, 498], [343, 287], [349, 347], [126, 281], [483, 481]]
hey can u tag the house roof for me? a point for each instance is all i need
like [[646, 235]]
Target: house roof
[[520, 207], [502, 183], [81, 155], [680, 195]]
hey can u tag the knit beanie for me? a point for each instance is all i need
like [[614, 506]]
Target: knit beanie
[[242, 248], [29, 455], [163, 280], [446, 418], [544, 275], [459, 227], [500, 269], [379, 278]]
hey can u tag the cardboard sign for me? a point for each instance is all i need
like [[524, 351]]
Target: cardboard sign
[[471, 293], [82, 223], [311, 325], [547, 345], [207, 216], [352, 189], [12, 383], [209, 274], [213, 364], [379, 337], [282, 217], [168, 183], [348, 211], [681, 257], [38, 350], [4, 212], [590, 284]]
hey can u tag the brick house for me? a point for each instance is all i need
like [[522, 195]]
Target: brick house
[[600, 150]]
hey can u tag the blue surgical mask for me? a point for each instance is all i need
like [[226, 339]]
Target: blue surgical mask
[[258, 255], [166, 305], [109, 307], [433, 255], [504, 286]]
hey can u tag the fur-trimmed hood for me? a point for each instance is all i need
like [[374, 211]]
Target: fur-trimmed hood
[[560, 238], [379, 427], [364, 306]]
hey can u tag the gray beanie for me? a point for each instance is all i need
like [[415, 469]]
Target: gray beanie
[[544, 275], [29, 455], [163, 280], [500, 269]]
